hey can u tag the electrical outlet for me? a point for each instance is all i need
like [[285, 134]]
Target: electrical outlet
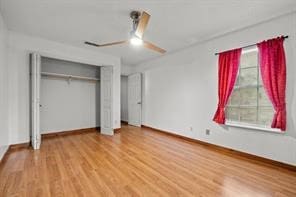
[[207, 131]]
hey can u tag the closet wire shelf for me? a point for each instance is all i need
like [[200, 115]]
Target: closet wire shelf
[[69, 77]]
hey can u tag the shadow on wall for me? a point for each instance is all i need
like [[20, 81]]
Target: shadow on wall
[[124, 98], [98, 104]]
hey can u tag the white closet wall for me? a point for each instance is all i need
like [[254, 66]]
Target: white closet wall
[[68, 105]]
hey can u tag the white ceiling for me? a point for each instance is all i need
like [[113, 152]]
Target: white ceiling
[[174, 24]]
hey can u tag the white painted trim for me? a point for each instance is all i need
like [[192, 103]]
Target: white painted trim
[[250, 49], [3, 150], [135, 99], [35, 76], [106, 100], [254, 127]]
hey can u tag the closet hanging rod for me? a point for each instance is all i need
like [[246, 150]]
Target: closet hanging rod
[[69, 76]]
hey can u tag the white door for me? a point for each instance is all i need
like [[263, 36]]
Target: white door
[[135, 99], [35, 100], [106, 100]]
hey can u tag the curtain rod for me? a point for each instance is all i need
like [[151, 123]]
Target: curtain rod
[[285, 37]]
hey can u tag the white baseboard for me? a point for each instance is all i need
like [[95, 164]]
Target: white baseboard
[[3, 150]]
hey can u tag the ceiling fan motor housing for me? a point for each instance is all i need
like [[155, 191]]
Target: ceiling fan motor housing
[[135, 16]]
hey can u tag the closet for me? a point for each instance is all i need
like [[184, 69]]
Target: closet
[[68, 95]]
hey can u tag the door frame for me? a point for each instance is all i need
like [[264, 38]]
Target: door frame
[[140, 102], [106, 80], [35, 81]]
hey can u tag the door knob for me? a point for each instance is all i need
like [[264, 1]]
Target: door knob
[[139, 103]]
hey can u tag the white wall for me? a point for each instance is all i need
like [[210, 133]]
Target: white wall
[[180, 91], [127, 70], [18, 58], [124, 98], [4, 141], [69, 105]]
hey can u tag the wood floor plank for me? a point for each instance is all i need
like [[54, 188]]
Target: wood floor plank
[[137, 162]]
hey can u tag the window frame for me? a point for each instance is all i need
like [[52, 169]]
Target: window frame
[[246, 125]]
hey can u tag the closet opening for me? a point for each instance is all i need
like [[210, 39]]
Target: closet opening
[[69, 96], [124, 99]]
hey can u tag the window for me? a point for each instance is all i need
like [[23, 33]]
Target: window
[[248, 104]]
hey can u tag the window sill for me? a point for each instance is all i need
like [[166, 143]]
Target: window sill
[[253, 127]]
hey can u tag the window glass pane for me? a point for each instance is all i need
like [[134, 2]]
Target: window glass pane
[[260, 82], [249, 59], [263, 99], [237, 81], [249, 102], [265, 115], [248, 114], [234, 98], [248, 76], [248, 96], [232, 113]]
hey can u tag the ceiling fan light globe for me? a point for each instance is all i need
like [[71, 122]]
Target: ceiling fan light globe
[[136, 41]]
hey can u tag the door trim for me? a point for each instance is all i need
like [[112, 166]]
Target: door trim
[[35, 70], [137, 103], [106, 80]]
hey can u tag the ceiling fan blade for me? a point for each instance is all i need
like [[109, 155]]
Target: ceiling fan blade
[[153, 47], [91, 43], [107, 44], [142, 24]]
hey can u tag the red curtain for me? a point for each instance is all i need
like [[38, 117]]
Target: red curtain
[[273, 72], [228, 68]]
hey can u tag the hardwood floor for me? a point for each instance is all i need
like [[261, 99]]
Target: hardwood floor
[[136, 162]]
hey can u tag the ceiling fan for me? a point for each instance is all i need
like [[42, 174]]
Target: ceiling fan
[[140, 22]]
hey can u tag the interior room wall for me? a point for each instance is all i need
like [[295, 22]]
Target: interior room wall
[[19, 48], [127, 69], [124, 98], [4, 137], [180, 92], [69, 105]]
